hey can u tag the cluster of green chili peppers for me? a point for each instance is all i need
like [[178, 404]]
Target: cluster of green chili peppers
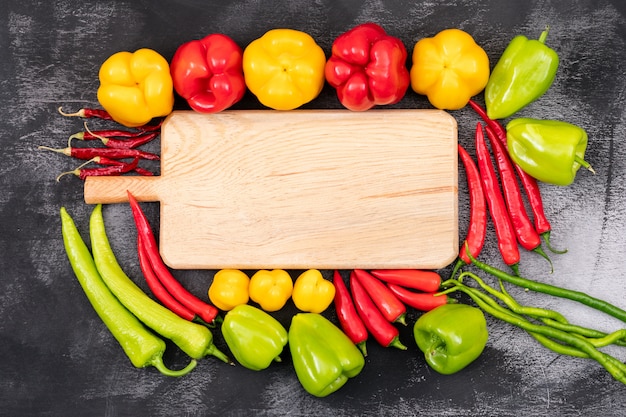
[[551, 151]]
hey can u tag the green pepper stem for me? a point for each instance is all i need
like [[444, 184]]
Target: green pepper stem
[[546, 238], [362, 347], [544, 35], [584, 163], [157, 362], [541, 252], [214, 351], [397, 344]]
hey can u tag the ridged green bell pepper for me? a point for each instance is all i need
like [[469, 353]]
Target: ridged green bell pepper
[[255, 338], [323, 356], [551, 151], [451, 336], [524, 72]]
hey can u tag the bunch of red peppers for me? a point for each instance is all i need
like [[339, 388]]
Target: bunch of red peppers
[[377, 300]]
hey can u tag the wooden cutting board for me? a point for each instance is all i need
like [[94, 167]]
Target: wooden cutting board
[[302, 189]]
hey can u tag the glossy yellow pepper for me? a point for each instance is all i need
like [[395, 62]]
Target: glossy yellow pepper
[[229, 289], [270, 289], [136, 87], [449, 69], [284, 68], [312, 293]]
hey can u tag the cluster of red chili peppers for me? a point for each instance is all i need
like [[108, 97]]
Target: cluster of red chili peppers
[[119, 146], [165, 287], [378, 299], [502, 199]]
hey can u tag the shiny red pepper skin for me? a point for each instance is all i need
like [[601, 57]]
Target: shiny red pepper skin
[[423, 301], [367, 67], [349, 319], [391, 308], [427, 281], [208, 73]]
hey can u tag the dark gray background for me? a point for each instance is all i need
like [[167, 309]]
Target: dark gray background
[[56, 357]]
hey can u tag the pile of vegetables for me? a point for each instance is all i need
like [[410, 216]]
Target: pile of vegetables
[[286, 69]]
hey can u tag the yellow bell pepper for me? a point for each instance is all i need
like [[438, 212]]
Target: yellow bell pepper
[[136, 87], [229, 289], [270, 289], [449, 69], [312, 293], [284, 68]]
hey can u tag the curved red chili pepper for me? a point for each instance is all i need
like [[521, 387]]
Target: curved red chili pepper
[[423, 301], [391, 308], [205, 311], [427, 281], [102, 160], [88, 113], [129, 142], [349, 319], [507, 242], [157, 288], [477, 230], [113, 153], [385, 333], [83, 173]]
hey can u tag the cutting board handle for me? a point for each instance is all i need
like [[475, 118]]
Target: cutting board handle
[[108, 190]]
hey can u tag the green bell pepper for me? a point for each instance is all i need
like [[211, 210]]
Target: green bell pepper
[[548, 150], [323, 356], [523, 73], [451, 336], [254, 337]]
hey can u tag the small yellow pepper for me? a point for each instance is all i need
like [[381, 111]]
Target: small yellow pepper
[[284, 68], [312, 293], [449, 69], [136, 87], [229, 289], [270, 289]]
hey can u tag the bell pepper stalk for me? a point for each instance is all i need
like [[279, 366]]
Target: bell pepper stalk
[[551, 151], [449, 68], [229, 289], [451, 336], [312, 293], [367, 67], [284, 68], [270, 289], [525, 71], [255, 338], [136, 87], [208, 73], [324, 358]]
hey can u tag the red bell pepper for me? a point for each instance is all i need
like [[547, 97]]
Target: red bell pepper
[[208, 73], [368, 67]]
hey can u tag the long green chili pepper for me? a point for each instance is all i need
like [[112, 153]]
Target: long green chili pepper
[[142, 347], [560, 292], [616, 368], [192, 338], [616, 338]]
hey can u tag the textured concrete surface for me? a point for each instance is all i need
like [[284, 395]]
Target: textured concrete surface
[[57, 358]]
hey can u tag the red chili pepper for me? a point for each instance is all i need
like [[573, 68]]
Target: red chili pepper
[[385, 333], [107, 133], [507, 242], [423, 301], [388, 304], [113, 153], [531, 187], [128, 143], [526, 234], [349, 319], [108, 161], [477, 230], [83, 173], [88, 113], [157, 288], [428, 281], [205, 311]]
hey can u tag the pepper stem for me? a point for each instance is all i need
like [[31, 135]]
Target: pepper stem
[[541, 252], [546, 238], [584, 163], [397, 344], [544, 35], [214, 351], [157, 362]]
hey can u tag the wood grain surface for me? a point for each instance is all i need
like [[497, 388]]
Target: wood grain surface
[[330, 189]]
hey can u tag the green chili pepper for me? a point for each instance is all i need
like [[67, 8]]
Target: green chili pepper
[[253, 336], [141, 346], [192, 338], [523, 73], [323, 356], [551, 151], [451, 336]]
